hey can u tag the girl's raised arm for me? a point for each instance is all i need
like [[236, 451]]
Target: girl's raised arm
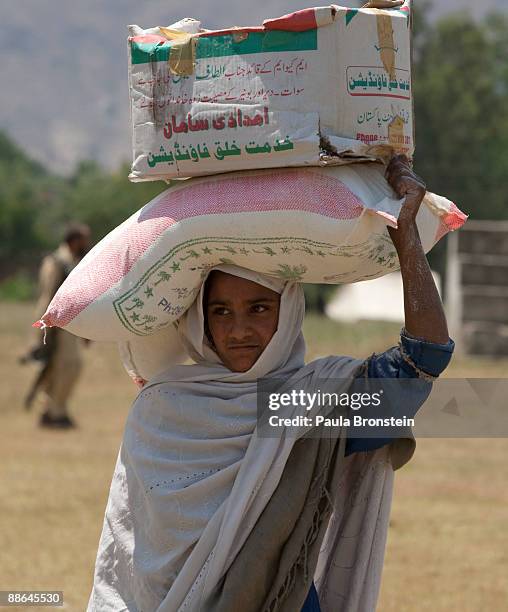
[[424, 313]]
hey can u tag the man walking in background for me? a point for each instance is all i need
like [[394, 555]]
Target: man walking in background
[[61, 354]]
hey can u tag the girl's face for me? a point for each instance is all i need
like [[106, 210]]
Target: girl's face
[[240, 317]]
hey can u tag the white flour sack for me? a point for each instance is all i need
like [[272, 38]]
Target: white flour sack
[[314, 225], [321, 86]]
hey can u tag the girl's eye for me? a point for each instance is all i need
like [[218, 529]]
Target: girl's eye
[[220, 310], [259, 308]]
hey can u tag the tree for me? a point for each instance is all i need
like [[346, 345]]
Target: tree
[[460, 90], [104, 200], [24, 186]]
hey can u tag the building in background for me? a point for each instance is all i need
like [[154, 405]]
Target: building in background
[[477, 288]]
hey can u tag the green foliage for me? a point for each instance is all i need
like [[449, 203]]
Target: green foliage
[[461, 109], [104, 200], [21, 196], [11, 156], [35, 206], [17, 288]]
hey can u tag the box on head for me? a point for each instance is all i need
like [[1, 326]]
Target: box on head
[[321, 86]]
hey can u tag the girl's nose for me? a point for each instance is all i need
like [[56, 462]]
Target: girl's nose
[[240, 329]]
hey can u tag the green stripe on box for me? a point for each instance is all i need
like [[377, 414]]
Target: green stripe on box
[[221, 46], [350, 15]]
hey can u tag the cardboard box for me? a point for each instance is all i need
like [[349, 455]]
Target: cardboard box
[[326, 85]]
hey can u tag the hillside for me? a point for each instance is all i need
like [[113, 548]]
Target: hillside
[[64, 70]]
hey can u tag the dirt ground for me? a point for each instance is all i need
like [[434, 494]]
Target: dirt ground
[[448, 539]]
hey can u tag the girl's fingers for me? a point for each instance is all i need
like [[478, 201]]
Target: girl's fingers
[[403, 185], [404, 173], [406, 176], [397, 169], [402, 179], [398, 165], [407, 179]]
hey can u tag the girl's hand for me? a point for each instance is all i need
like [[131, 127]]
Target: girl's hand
[[405, 183]]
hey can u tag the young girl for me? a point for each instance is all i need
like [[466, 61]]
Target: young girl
[[204, 512]]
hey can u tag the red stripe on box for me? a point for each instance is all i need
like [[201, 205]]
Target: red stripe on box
[[298, 21], [148, 38]]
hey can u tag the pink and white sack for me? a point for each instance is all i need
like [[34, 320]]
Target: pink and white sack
[[311, 225]]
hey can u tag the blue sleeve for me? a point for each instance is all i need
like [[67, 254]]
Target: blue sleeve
[[412, 358], [312, 602]]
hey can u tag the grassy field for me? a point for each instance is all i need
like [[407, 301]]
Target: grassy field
[[448, 539]]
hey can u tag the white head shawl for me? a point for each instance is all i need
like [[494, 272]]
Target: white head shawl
[[159, 354]]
